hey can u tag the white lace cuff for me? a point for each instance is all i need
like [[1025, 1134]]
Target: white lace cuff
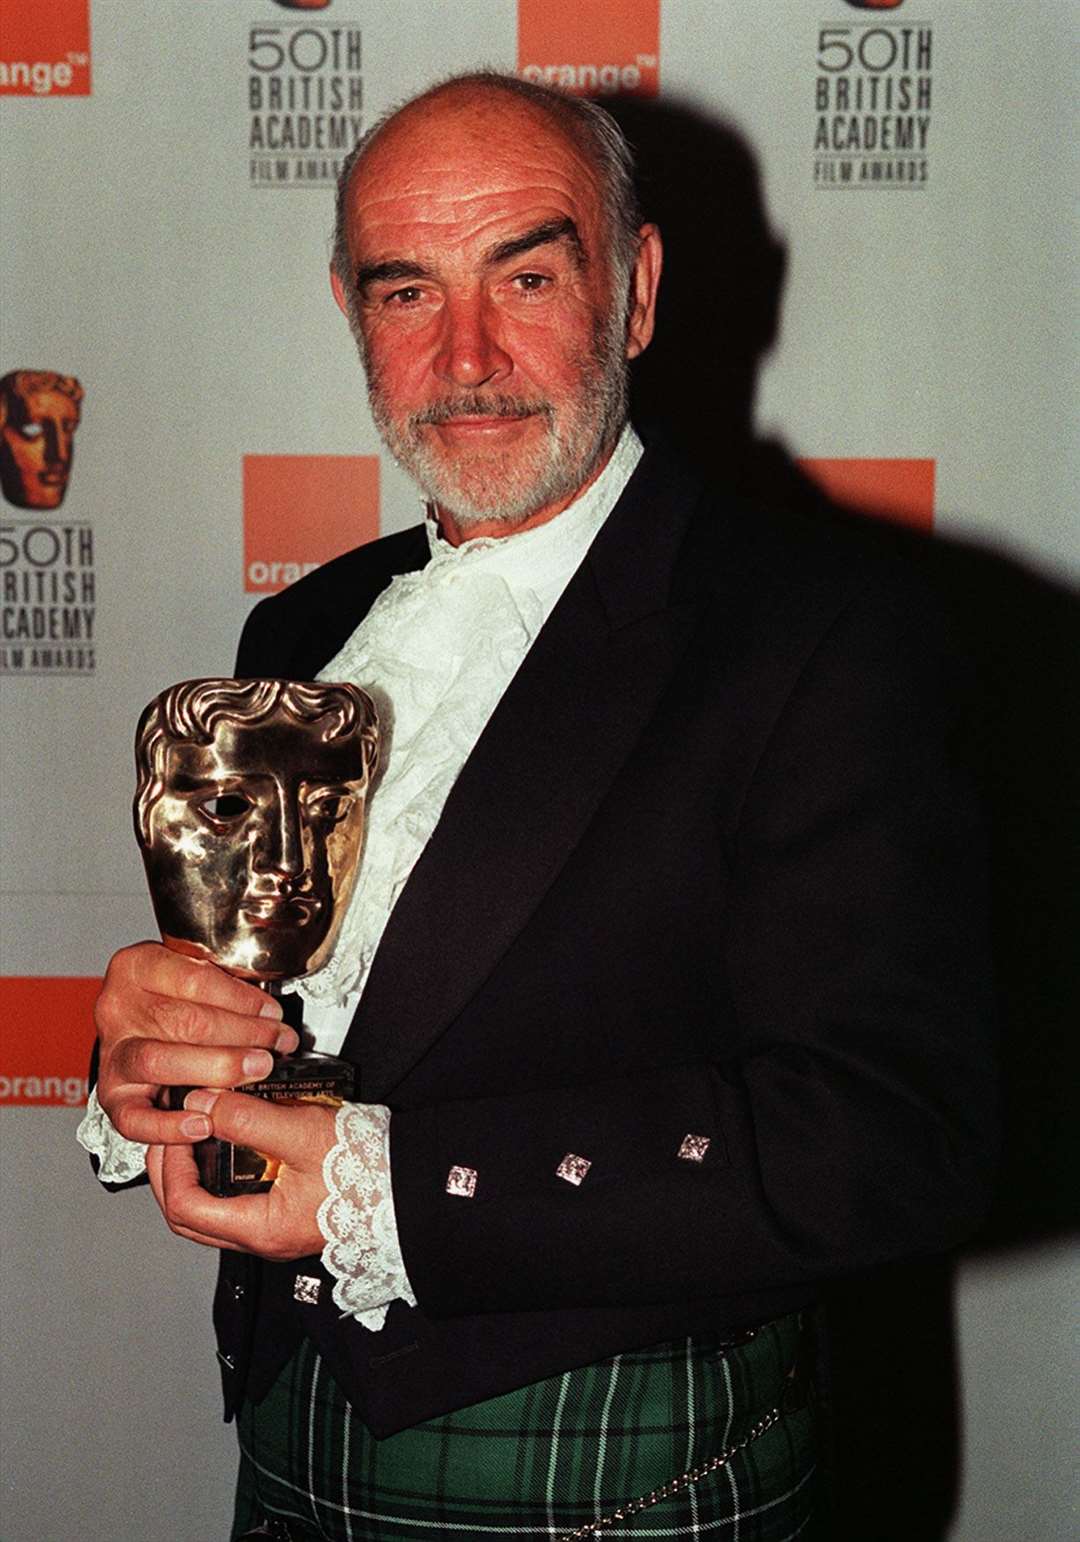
[[357, 1217], [119, 1160]]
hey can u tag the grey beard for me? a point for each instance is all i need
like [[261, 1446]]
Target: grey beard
[[575, 442]]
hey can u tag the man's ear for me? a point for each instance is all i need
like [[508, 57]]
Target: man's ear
[[644, 283], [339, 293]]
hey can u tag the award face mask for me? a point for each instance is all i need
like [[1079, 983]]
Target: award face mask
[[39, 413], [250, 815]]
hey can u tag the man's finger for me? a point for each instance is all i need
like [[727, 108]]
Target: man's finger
[[162, 971], [155, 1161], [195, 1022], [151, 967], [153, 1172], [221, 1243], [160, 1063], [300, 1134], [192, 1212], [137, 1119]]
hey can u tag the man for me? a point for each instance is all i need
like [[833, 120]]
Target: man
[[667, 944], [39, 413]]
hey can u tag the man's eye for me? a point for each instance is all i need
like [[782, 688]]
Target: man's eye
[[407, 296], [31, 430], [225, 806], [529, 283]]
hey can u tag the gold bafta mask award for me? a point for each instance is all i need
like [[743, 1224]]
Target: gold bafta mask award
[[249, 811]]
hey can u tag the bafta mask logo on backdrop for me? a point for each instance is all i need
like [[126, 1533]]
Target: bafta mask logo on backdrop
[[39, 413], [607, 48], [301, 510], [45, 48]]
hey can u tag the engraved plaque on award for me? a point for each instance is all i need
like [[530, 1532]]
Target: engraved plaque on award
[[249, 811]]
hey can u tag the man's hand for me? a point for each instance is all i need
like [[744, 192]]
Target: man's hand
[[166, 1020], [277, 1225]]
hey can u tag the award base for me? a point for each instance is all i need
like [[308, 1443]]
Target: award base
[[227, 1170]]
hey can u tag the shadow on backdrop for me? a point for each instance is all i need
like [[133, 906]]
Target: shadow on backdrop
[[888, 1345]]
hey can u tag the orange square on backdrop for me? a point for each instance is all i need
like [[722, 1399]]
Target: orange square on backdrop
[[45, 48], [46, 1034], [301, 510], [604, 48], [900, 490]]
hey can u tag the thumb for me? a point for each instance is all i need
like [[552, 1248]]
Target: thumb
[[298, 1134]]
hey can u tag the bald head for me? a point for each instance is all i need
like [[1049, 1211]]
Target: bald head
[[489, 97]]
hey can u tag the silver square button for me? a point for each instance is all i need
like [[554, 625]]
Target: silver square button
[[573, 1168], [461, 1181], [694, 1147]]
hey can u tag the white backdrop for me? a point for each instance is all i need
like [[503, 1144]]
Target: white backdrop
[[923, 321]]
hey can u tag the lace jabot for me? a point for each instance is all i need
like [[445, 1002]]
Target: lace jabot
[[436, 652]]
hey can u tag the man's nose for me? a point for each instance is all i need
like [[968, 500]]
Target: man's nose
[[469, 353]]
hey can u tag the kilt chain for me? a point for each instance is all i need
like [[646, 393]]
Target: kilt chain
[[673, 1485]]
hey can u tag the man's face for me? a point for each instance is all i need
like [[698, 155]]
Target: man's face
[[494, 342], [255, 843], [36, 444]]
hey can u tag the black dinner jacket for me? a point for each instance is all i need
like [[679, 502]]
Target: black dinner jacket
[[712, 870]]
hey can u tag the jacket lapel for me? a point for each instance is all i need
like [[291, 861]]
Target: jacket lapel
[[540, 769], [351, 587]]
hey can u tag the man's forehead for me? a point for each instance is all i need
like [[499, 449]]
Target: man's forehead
[[472, 111], [470, 140]]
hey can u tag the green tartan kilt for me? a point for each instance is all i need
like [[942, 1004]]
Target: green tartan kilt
[[698, 1438]]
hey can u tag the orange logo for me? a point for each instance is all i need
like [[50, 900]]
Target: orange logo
[[301, 510], [48, 1030], [45, 48], [605, 48], [899, 490]]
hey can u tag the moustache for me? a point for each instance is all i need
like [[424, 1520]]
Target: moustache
[[473, 405]]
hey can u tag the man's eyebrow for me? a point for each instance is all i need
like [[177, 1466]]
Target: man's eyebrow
[[540, 235], [389, 272], [399, 269]]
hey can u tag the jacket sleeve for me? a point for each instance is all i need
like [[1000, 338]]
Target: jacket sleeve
[[844, 1116]]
